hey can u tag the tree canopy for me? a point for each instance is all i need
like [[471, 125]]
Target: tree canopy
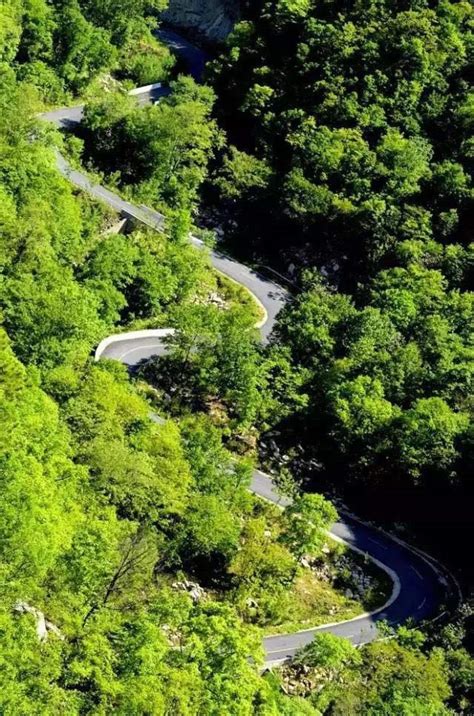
[[137, 572], [336, 116]]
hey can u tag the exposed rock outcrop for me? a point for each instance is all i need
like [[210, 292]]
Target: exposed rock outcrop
[[43, 625], [195, 591], [212, 18]]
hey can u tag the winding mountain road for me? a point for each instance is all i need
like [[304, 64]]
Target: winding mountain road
[[420, 585]]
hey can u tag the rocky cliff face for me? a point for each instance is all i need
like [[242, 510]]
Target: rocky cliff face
[[212, 18]]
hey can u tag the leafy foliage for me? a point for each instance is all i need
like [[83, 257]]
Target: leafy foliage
[[160, 151], [60, 47], [389, 380], [337, 116], [102, 508]]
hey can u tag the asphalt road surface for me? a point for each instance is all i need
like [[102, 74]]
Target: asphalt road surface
[[420, 587], [194, 57]]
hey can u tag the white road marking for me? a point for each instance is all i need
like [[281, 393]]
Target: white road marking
[[414, 569], [375, 541], [138, 348], [278, 651], [245, 277]]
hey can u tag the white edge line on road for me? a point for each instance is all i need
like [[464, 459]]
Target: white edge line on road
[[198, 243], [138, 348], [434, 564], [365, 615], [130, 336], [414, 569], [394, 595], [260, 305]]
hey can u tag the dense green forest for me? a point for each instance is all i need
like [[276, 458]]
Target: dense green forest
[[138, 541], [350, 162], [352, 126], [61, 46]]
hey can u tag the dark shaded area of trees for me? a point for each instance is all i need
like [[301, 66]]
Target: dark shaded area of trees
[[388, 417], [351, 127], [102, 508], [350, 132]]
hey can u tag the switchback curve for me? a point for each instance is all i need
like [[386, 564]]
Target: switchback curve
[[420, 585]]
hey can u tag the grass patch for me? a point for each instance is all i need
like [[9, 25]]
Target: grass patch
[[236, 294], [314, 601]]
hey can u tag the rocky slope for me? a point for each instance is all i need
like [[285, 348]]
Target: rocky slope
[[212, 18]]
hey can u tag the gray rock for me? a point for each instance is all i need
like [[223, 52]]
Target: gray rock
[[212, 18], [43, 625]]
